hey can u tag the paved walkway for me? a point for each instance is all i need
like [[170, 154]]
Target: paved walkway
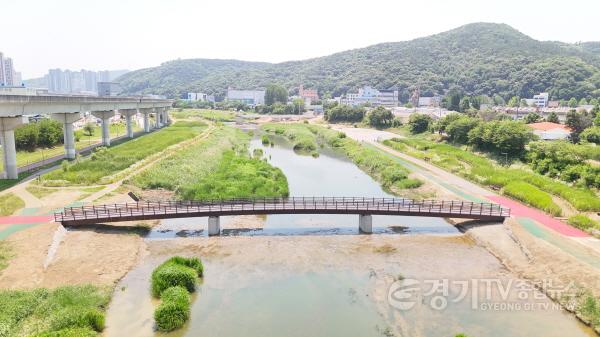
[[534, 221]]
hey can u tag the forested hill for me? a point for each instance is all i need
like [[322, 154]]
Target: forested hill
[[481, 58]]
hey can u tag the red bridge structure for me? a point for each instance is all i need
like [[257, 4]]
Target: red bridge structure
[[213, 209]]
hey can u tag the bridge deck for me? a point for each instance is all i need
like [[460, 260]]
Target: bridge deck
[[298, 205]]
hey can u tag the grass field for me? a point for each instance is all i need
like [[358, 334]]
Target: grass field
[[76, 311], [535, 189], [10, 203], [108, 161], [212, 115], [218, 167]]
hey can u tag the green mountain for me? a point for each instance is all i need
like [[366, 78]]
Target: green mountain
[[480, 58]]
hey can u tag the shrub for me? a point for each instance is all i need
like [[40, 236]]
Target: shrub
[[533, 196], [170, 275], [192, 262], [419, 123], [583, 222], [171, 315], [265, 140]]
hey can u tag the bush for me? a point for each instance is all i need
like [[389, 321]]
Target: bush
[[419, 123], [533, 196], [192, 262], [170, 275], [583, 222], [171, 315], [177, 295]]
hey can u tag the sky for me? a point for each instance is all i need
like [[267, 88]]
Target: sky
[[133, 34]]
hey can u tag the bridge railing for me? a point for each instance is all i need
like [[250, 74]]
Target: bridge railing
[[351, 204]]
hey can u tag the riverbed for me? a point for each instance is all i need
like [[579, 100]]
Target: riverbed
[[315, 275]]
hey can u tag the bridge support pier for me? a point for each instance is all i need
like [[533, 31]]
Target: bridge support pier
[[67, 119], [159, 117], [105, 116], [214, 225], [7, 136], [146, 112], [129, 113], [365, 223]]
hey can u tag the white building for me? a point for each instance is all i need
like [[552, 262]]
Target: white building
[[8, 76], [541, 100], [199, 97], [249, 97], [370, 95]]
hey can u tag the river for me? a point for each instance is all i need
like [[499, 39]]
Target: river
[[314, 275]]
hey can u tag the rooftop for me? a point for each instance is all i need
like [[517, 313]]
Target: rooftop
[[545, 126]]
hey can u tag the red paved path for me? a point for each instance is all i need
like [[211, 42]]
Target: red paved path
[[519, 210], [23, 219]]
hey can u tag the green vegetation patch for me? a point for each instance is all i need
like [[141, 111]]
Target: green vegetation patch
[[212, 115], [485, 171], [382, 168], [40, 192], [172, 282], [108, 161], [10, 203], [218, 167], [66, 311], [304, 140], [532, 195], [6, 254], [584, 222]]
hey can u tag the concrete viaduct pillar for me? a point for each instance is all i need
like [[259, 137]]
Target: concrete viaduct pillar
[[158, 112], [67, 119], [365, 223], [129, 113], [146, 113], [7, 136], [105, 116], [214, 225]]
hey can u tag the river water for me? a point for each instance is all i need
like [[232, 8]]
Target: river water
[[314, 275]]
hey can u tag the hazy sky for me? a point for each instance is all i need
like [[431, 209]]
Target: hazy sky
[[132, 34]]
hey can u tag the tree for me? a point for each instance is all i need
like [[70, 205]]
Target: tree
[[458, 130], [380, 117], [591, 135], [506, 136], [442, 123], [344, 113], [572, 102], [532, 117], [476, 102], [577, 122], [563, 103], [88, 129], [27, 136], [465, 104], [50, 133], [523, 103], [498, 100], [274, 94], [514, 101], [298, 104], [419, 123], [553, 118], [583, 101]]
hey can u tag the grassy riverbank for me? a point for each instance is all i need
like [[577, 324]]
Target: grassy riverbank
[[107, 161], [217, 167], [71, 311], [386, 171], [10, 203], [211, 115], [303, 139], [524, 185]]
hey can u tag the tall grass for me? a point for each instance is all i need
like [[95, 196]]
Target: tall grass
[[532, 195], [66, 311], [219, 167], [486, 172], [108, 161], [212, 115]]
